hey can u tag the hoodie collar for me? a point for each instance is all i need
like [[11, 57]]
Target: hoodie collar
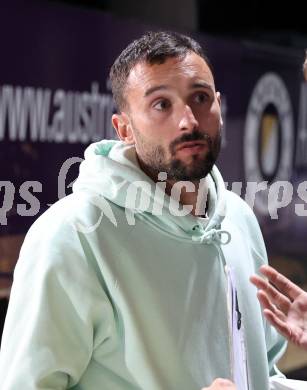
[[111, 170]]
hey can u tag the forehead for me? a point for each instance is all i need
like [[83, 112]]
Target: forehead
[[173, 71]]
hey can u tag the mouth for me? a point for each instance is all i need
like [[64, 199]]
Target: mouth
[[192, 146]]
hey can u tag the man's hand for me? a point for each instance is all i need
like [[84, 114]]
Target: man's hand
[[221, 384], [284, 305]]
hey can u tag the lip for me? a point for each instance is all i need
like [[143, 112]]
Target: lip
[[192, 145]]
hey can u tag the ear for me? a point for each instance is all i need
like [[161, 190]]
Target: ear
[[218, 96], [121, 124]]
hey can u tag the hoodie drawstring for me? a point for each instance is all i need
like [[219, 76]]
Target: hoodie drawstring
[[215, 236]]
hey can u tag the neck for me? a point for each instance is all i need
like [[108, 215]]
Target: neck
[[192, 193]]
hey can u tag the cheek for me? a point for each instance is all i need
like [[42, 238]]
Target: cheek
[[208, 124], [155, 126], [144, 131], [213, 118]]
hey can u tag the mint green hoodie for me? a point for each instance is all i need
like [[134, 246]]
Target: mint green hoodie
[[119, 287]]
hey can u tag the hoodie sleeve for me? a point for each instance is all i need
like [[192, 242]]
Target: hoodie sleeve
[[58, 311]]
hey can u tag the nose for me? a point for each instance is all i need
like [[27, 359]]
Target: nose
[[188, 120]]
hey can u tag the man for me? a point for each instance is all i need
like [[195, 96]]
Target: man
[[140, 278]]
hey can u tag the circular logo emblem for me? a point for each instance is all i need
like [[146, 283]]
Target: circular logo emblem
[[268, 135]]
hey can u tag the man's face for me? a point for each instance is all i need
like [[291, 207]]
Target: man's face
[[174, 117]]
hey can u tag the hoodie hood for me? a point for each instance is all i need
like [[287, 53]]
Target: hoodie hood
[[111, 171]]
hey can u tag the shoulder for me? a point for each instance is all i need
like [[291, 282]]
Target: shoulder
[[239, 210], [70, 214], [64, 234]]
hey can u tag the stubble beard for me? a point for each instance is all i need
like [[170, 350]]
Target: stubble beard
[[153, 160]]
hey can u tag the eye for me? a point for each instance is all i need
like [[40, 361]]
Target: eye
[[162, 105], [201, 97]]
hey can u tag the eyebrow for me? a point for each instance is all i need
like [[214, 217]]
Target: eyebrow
[[199, 84], [154, 89], [202, 84]]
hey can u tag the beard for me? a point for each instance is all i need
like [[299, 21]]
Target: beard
[[153, 160]]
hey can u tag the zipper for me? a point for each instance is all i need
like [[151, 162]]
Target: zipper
[[239, 315]]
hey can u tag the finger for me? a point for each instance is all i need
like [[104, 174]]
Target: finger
[[280, 325], [221, 383], [258, 281], [267, 304], [282, 301], [274, 316], [281, 282]]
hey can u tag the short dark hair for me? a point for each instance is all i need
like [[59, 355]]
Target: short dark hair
[[153, 48]]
